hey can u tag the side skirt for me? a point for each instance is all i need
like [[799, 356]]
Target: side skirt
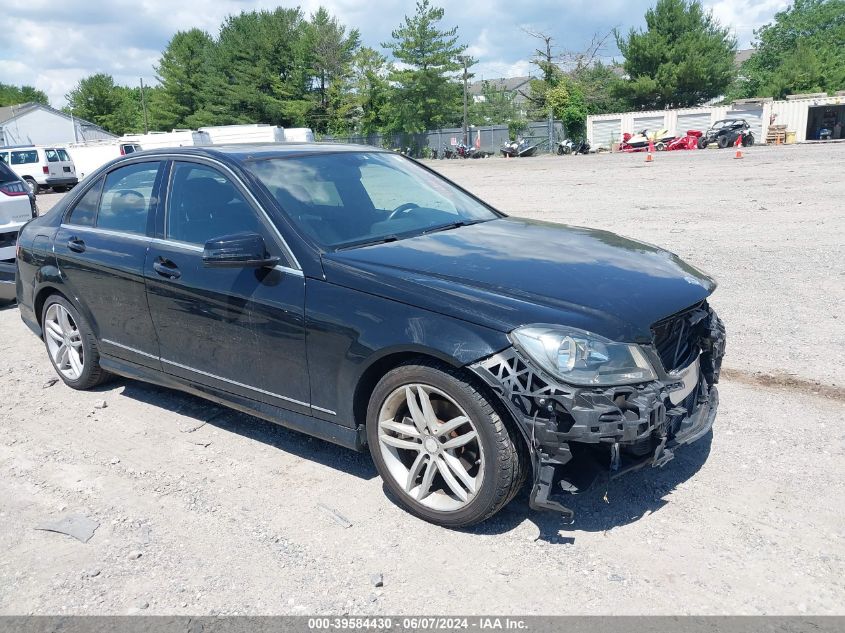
[[329, 431]]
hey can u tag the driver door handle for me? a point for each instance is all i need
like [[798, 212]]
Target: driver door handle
[[166, 268]]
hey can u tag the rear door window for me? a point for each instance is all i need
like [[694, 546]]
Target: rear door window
[[63, 155], [25, 157], [128, 198], [85, 211], [52, 155]]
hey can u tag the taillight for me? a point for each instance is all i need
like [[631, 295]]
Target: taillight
[[45, 169], [14, 188], [123, 150]]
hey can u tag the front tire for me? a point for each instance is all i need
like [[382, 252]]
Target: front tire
[[71, 345], [440, 446], [32, 185]]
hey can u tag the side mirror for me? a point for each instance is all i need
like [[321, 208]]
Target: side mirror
[[241, 250]]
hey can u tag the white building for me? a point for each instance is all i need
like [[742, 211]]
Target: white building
[[805, 115], [38, 124]]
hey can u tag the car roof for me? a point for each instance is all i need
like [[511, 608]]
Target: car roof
[[246, 151]]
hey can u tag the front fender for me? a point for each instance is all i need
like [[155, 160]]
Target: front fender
[[350, 331]]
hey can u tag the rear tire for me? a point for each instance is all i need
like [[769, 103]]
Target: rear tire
[[702, 143], [71, 345], [452, 486], [722, 141], [748, 140]]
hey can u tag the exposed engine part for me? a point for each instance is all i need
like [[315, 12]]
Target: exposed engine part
[[636, 424]]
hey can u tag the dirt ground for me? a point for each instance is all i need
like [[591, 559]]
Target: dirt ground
[[204, 511]]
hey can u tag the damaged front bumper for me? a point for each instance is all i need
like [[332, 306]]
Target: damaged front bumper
[[577, 433]]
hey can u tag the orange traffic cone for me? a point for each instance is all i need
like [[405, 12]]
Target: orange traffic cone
[[738, 144], [650, 156]]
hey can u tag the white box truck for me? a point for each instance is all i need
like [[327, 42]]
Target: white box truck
[[175, 138], [250, 133], [299, 135], [89, 156]]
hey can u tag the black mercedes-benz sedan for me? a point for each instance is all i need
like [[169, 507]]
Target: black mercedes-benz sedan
[[356, 295]]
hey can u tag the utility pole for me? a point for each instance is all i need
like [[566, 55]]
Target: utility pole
[[465, 60], [144, 107]]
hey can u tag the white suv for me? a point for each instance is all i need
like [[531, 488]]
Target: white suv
[[17, 207], [41, 167]]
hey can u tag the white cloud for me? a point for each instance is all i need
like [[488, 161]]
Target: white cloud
[[744, 16], [53, 45]]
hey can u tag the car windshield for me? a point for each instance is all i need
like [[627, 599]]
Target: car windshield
[[350, 199]]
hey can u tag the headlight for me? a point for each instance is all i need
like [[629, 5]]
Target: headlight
[[583, 358]]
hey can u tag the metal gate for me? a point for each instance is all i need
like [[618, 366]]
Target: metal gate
[[650, 123], [606, 132], [694, 121], [754, 116]]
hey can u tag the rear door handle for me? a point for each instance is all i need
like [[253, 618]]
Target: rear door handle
[[166, 268], [76, 245]]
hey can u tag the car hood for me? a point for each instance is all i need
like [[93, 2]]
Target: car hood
[[510, 272]]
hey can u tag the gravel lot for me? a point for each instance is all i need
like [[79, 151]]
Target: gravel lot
[[204, 511]]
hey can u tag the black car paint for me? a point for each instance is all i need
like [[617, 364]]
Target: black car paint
[[300, 344]]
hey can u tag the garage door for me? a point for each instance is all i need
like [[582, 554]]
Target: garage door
[[698, 121], [606, 132], [754, 116], [650, 123]]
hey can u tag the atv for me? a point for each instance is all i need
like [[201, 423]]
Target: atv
[[725, 133]]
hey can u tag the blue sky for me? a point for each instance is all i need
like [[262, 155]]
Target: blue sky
[[53, 44]]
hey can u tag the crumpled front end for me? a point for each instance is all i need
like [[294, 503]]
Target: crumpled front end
[[576, 433]]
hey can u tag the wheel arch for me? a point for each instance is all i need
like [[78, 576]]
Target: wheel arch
[[380, 366], [391, 360], [48, 289]]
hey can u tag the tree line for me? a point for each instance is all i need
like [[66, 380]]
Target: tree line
[[285, 68]]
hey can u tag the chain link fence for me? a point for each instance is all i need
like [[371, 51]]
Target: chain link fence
[[487, 138]]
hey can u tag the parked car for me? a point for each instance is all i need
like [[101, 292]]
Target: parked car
[[41, 167], [88, 157], [355, 295], [17, 207], [725, 133]]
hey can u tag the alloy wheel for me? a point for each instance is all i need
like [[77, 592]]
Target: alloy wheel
[[64, 341], [431, 447]]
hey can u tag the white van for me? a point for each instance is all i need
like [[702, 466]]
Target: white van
[[41, 167], [87, 157]]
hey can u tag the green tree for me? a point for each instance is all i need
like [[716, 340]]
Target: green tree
[[495, 106], [14, 95], [261, 70], [683, 58], [184, 72], [424, 95], [802, 50], [332, 51], [599, 83], [567, 102], [115, 108], [359, 102]]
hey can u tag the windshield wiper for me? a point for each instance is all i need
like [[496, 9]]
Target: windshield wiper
[[451, 225], [378, 240]]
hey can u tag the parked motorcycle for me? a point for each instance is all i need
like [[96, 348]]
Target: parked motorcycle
[[568, 146], [520, 148], [466, 151]]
